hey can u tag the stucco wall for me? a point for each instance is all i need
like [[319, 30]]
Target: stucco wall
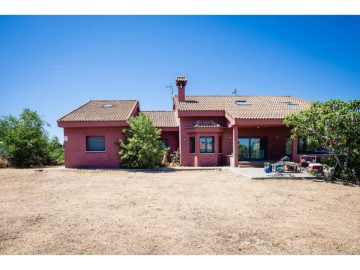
[[173, 137], [75, 148], [77, 157], [199, 159], [275, 139]]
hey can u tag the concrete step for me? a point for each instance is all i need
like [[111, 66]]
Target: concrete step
[[251, 164]]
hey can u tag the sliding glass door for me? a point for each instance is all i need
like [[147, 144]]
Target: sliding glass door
[[251, 148]]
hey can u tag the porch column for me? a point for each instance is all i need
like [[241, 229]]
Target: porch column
[[216, 144], [216, 149], [235, 147], [197, 150], [294, 151]]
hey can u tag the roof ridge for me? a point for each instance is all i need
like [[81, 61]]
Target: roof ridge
[[102, 100], [158, 111], [133, 108], [238, 96]]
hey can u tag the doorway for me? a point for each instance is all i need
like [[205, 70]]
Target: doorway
[[251, 148]]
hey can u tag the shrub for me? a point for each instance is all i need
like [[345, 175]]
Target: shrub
[[3, 163], [55, 152], [141, 147], [175, 158], [25, 141]]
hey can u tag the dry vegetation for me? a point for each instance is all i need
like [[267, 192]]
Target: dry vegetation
[[187, 212], [4, 163]]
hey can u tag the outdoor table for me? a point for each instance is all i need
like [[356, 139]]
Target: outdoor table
[[291, 166]]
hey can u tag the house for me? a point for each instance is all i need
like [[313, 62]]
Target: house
[[208, 130]]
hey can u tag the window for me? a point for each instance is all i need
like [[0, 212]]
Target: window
[[304, 148], [206, 144], [192, 145], [288, 147], [251, 148], [220, 144], [242, 102], [95, 143], [290, 103], [165, 142]]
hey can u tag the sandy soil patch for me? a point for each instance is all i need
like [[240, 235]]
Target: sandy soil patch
[[184, 212]]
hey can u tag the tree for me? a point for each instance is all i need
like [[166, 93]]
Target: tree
[[333, 125], [141, 147], [55, 152], [25, 140]]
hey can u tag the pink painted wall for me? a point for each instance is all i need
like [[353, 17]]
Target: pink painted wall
[[275, 141], [75, 148], [199, 159], [173, 137]]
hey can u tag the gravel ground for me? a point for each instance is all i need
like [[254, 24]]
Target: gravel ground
[[57, 211]]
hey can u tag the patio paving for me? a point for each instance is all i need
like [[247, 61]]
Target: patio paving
[[259, 173], [254, 172]]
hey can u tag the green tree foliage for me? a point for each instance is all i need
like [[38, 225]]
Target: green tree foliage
[[333, 125], [141, 147], [25, 141], [55, 152]]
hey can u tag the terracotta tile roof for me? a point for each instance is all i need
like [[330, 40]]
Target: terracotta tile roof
[[204, 124], [102, 110], [162, 118], [245, 107]]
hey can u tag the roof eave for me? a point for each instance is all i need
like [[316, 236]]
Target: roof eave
[[259, 122], [197, 113], [78, 124]]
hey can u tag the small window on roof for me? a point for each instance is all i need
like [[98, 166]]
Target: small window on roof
[[108, 106], [242, 102], [290, 103]]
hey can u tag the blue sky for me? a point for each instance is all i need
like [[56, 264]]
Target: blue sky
[[54, 64]]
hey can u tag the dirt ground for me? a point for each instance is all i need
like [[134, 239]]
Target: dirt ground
[[57, 211]]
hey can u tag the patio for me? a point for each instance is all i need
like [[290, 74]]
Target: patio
[[259, 173], [253, 172]]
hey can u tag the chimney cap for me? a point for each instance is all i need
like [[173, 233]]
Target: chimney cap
[[181, 81]]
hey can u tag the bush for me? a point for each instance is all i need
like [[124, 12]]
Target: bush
[[175, 158], [141, 147], [25, 141], [55, 152], [350, 170], [3, 163]]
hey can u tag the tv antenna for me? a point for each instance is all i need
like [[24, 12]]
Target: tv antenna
[[235, 92], [170, 86]]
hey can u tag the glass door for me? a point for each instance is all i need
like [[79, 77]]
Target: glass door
[[243, 148], [257, 148], [251, 148]]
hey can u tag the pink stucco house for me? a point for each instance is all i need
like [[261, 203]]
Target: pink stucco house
[[208, 130]]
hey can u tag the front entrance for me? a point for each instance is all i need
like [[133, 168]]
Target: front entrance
[[251, 148]]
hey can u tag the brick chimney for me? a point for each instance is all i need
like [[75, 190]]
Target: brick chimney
[[181, 83]]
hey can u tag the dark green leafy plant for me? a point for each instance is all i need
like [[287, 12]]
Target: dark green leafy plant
[[55, 152], [141, 147], [25, 141]]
